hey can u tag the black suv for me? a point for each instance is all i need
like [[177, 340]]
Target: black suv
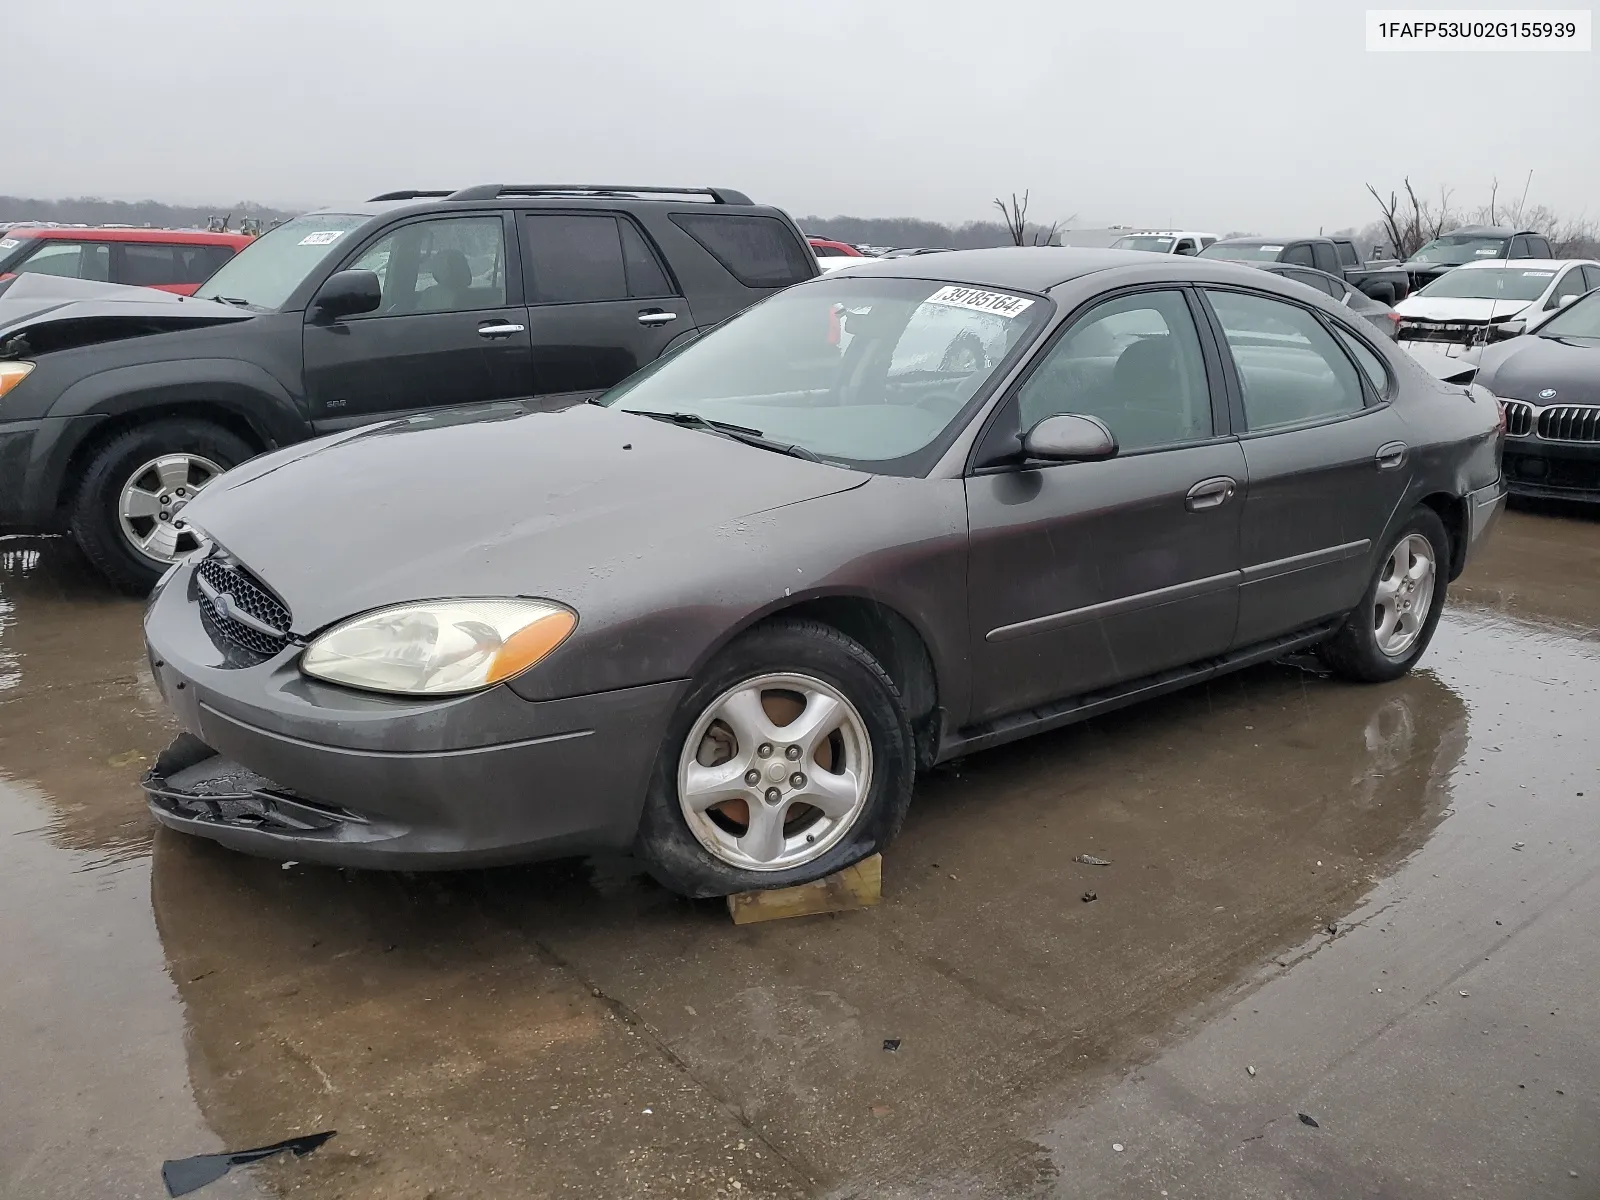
[[117, 405]]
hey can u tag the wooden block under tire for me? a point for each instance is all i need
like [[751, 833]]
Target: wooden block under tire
[[855, 887]]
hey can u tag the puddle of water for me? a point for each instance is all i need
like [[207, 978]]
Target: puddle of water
[[94, 1059]]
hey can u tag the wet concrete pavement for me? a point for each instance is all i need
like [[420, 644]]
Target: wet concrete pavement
[[572, 1030]]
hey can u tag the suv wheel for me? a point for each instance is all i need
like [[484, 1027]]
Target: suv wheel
[[127, 513], [790, 758], [1392, 625]]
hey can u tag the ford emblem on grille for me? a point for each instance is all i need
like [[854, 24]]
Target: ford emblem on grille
[[228, 607], [1547, 394]]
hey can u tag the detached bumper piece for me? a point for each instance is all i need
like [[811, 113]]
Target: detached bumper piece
[[193, 781]]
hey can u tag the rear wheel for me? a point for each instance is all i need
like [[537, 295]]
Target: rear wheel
[[127, 513], [1390, 628], [790, 758]]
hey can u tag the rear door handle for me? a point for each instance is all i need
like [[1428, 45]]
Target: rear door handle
[[1211, 493], [1391, 455], [656, 316], [499, 329]]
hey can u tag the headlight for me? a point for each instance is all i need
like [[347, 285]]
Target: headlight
[[440, 647], [13, 373]]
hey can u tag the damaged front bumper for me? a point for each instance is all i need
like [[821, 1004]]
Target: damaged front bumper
[[192, 782]]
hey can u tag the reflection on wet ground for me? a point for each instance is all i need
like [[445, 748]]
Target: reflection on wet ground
[[571, 1029]]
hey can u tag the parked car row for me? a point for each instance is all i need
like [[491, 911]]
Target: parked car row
[[118, 405]]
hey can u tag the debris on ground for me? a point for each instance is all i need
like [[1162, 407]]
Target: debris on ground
[[1091, 861], [1117, 1146], [185, 1175], [891, 1044], [1090, 897], [1251, 1071], [1332, 928], [1305, 1120], [1518, 845], [1463, 994]]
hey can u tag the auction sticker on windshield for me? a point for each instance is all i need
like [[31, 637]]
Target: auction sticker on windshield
[[978, 301], [326, 238]]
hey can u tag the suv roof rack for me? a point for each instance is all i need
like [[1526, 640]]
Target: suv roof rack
[[411, 194], [493, 191]]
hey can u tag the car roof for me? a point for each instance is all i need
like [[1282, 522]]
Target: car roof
[[1515, 264], [1260, 241], [1488, 231], [169, 237], [1037, 268], [1167, 233]]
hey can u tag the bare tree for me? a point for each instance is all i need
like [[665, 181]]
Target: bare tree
[[1015, 217], [1414, 222]]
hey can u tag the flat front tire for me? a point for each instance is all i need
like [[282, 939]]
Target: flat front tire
[[1389, 630], [790, 758]]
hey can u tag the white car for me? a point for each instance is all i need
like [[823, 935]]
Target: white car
[[1165, 241], [1475, 302]]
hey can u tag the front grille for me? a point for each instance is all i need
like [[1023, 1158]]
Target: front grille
[[1519, 418], [242, 602], [1570, 423]]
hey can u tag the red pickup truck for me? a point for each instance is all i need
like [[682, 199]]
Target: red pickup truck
[[172, 260]]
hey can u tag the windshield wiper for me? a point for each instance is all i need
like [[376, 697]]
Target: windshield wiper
[[739, 433], [234, 300]]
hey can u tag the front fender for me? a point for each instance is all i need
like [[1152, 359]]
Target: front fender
[[244, 390]]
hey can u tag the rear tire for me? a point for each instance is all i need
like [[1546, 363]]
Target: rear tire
[[866, 738], [127, 462], [1375, 645]]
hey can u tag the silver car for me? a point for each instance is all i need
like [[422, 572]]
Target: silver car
[[725, 614]]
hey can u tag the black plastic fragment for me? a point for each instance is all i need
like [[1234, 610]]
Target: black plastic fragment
[[891, 1044], [185, 1175], [1305, 1120]]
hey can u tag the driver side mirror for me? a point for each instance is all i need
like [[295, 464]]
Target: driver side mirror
[[347, 294], [1069, 437], [1566, 300]]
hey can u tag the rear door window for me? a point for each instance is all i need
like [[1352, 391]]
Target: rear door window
[[1323, 257], [1591, 278], [1538, 247], [1299, 254], [1520, 248], [148, 265], [760, 252], [1347, 254], [587, 258], [1290, 369]]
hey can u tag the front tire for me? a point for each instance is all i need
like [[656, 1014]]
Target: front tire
[[125, 515], [790, 758], [1389, 630]]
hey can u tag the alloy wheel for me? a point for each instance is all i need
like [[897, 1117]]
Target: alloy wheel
[[775, 772], [1404, 596], [149, 504]]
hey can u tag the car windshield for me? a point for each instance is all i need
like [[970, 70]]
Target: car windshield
[[1159, 245], [863, 371], [1456, 248], [266, 272], [1580, 320], [1244, 251], [1491, 283]]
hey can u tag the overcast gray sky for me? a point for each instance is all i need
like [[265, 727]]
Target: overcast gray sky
[[1220, 115]]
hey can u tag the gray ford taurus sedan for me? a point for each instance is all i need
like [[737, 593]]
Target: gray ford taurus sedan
[[724, 614]]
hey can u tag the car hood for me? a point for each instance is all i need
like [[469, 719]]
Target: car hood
[[1449, 308], [498, 501], [1526, 367], [28, 301]]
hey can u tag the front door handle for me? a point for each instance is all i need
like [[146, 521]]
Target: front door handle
[[1391, 455], [499, 329], [656, 316], [1211, 493]]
